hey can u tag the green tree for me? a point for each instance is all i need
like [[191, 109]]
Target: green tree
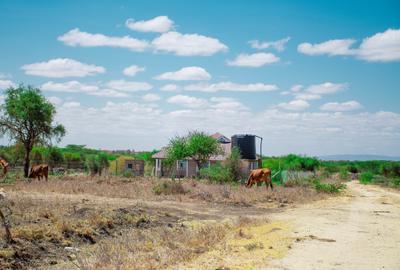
[[27, 117], [196, 145], [103, 162], [233, 164], [54, 157]]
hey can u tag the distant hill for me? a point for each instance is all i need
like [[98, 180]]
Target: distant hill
[[359, 157]]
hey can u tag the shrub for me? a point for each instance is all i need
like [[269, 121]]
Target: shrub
[[366, 178], [128, 174], [328, 187], [217, 173], [169, 188], [344, 174]]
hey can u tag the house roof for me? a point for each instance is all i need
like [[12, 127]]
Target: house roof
[[221, 138]]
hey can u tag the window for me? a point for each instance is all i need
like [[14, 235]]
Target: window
[[130, 166]]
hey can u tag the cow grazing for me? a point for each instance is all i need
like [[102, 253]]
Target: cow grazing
[[4, 165], [259, 176], [39, 171]]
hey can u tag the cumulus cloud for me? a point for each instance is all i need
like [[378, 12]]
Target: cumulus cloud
[[307, 96], [341, 107], [151, 97], [170, 88], [230, 86], [133, 70], [187, 44], [187, 101], [69, 87], [330, 47], [253, 60], [278, 45], [316, 133], [294, 105], [4, 84], [381, 47], [326, 88], [186, 74], [76, 38], [296, 88], [225, 104], [55, 100], [62, 67], [78, 87], [129, 86], [158, 24]]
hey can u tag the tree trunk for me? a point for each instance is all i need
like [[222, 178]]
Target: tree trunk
[[27, 161]]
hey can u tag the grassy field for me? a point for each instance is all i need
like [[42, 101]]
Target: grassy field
[[113, 222]]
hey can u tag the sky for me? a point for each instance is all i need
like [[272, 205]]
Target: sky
[[315, 78]]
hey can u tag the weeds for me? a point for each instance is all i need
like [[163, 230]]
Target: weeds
[[169, 188]]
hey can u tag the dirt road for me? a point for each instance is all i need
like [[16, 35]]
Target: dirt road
[[361, 231]]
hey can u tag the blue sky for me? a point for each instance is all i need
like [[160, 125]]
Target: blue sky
[[313, 78]]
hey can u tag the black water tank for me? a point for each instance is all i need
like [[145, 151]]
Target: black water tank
[[246, 144]]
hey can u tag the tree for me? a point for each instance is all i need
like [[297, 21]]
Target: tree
[[27, 117], [54, 157], [103, 163], [197, 145]]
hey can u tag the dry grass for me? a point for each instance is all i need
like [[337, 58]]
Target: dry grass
[[130, 235], [189, 190]]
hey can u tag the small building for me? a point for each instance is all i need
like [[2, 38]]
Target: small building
[[135, 166], [188, 167]]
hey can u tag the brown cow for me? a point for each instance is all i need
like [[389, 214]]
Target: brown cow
[[38, 171], [259, 176], [4, 165]]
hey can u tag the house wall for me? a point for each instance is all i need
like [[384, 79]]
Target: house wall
[[136, 166]]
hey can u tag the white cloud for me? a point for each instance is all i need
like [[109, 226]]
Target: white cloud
[[316, 133], [341, 107], [381, 47], [330, 47], [109, 93], [186, 74], [128, 86], [296, 88], [151, 97], [55, 100], [77, 87], [294, 105], [71, 105], [70, 87], [187, 101], [230, 86], [278, 45], [170, 88], [227, 104], [75, 38], [326, 88], [158, 24], [253, 60], [188, 44], [4, 84], [62, 67], [133, 70], [307, 96]]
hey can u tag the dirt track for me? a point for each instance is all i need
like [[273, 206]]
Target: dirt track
[[357, 232]]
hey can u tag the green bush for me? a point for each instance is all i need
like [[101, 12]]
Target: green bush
[[366, 178], [169, 188], [128, 174], [344, 174], [328, 187], [217, 173]]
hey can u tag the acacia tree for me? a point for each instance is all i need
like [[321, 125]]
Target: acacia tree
[[27, 117]]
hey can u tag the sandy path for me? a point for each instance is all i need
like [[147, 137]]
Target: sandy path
[[360, 232]]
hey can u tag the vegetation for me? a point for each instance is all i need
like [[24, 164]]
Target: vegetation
[[228, 172], [27, 117], [196, 145]]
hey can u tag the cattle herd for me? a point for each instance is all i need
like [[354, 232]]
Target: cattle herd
[[37, 171]]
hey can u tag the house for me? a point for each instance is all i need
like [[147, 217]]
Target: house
[[188, 167], [135, 166]]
